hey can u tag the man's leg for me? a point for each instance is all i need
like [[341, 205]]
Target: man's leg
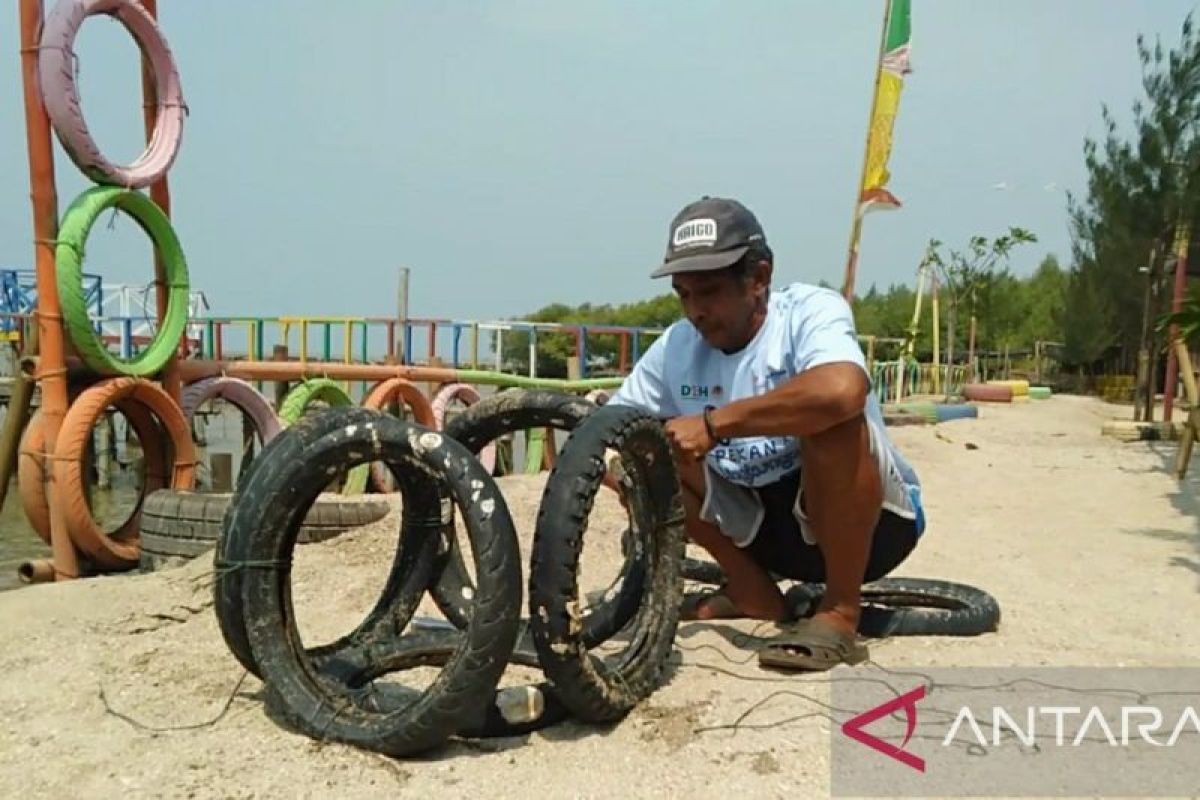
[[749, 587], [843, 498]]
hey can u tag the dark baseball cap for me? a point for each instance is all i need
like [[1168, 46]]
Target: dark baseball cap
[[710, 233]]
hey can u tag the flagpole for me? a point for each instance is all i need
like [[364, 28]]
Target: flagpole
[[856, 227]]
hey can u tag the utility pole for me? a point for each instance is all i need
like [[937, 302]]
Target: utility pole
[[402, 316]]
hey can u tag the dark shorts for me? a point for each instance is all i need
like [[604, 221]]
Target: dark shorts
[[779, 546]]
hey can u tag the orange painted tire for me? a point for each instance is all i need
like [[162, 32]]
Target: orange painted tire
[[469, 395], [988, 392], [103, 550], [408, 393], [31, 477]]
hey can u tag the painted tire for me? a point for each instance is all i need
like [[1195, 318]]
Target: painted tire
[[56, 76], [924, 409], [102, 549], [31, 475], [948, 411], [241, 394], [72, 239], [469, 395], [296, 404], [1020, 388], [408, 393], [1040, 392], [988, 392]]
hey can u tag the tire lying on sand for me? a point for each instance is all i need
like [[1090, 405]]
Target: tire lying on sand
[[328, 692], [596, 689], [507, 412], [891, 606], [177, 526], [988, 392], [914, 607]]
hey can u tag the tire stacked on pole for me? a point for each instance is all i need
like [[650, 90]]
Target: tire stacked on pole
[[330, 691], [123, 381]]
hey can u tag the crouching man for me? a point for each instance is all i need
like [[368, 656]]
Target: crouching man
[[785, 464]]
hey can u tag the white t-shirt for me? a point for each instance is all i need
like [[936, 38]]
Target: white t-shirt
[[806, 326]]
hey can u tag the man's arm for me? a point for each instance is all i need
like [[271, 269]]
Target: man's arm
[[809, 403]]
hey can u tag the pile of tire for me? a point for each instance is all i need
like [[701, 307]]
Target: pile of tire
[[116, 185], [329, 692], [123, 382]]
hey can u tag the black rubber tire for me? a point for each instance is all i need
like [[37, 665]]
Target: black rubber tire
[[913, 607], [178, 525], [508, 412], [420, 526], [309, 685], [596, 690], [434, 647]]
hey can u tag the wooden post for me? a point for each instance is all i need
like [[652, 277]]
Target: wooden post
[[937, 375], [102, 442], [221, 470], [1191, 428], [17, 416], [280, 353]]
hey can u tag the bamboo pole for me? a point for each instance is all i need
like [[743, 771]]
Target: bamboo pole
[[194, 370], [1184, 456], [937, 374], [52, 347]]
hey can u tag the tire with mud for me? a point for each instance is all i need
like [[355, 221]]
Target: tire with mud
[[599, 689], [509, 412], [420, 526], [328, 692], [913, 607]]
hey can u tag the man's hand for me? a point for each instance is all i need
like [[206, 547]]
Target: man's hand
[[689, 436]]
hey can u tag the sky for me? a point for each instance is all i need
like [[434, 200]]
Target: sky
[[521, 152]]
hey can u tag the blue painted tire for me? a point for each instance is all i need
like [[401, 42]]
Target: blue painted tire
[[948, 411]]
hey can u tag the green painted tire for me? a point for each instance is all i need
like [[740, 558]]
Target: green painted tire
[[1040, 392], [331, 392], [925, 408], [69, 255]]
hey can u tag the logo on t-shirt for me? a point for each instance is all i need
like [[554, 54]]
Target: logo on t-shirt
[[699, 391], [695, 233]]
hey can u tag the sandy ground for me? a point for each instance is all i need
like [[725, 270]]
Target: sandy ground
[[1089, 544]]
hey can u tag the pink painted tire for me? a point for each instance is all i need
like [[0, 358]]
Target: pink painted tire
[[469, 396], [988, 392], [60, 93], [241, 394]]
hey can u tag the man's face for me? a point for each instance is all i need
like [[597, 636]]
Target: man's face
[[721, 305]]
